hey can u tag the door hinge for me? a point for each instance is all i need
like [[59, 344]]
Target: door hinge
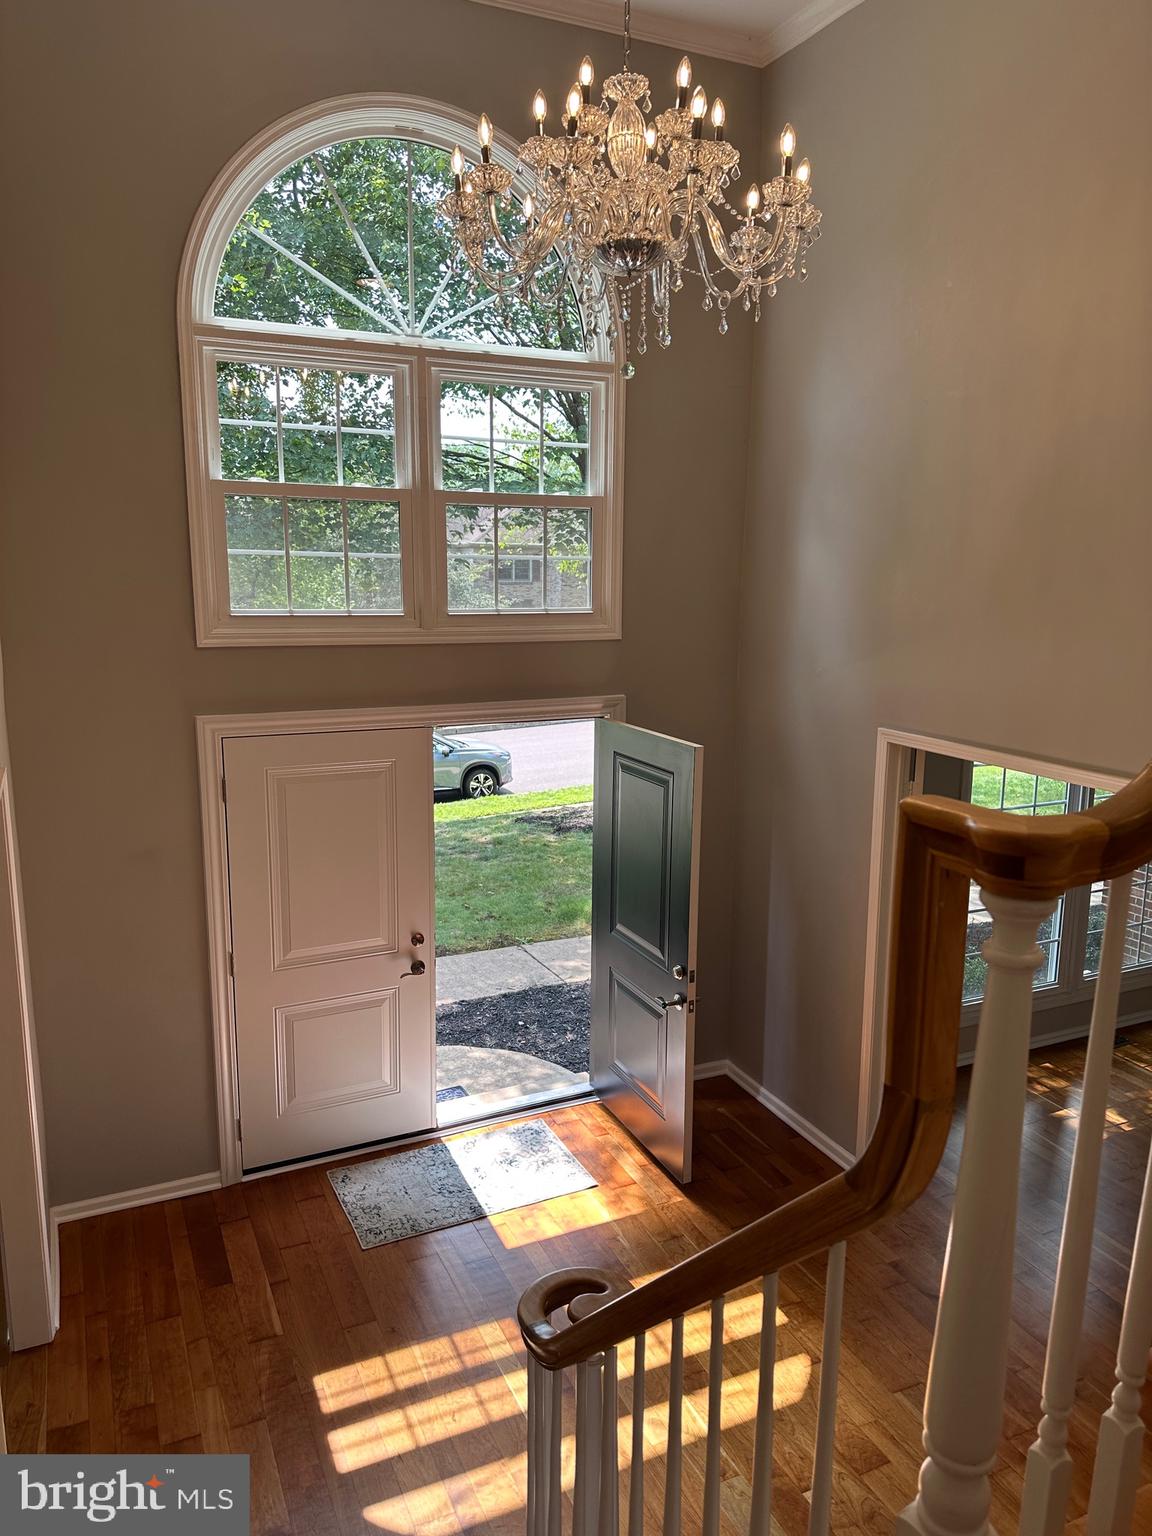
[[223, 790], [231, 963], [239, 1135]]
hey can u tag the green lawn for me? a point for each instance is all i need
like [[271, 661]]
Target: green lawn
[[501, 805], [505, 877]]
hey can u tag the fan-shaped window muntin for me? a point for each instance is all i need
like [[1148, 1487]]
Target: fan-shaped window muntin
[[350, 238], [380, 449]]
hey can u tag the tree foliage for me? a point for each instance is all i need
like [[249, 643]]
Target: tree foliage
[[351, 238]]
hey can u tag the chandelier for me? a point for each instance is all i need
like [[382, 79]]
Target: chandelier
[[621, 208]]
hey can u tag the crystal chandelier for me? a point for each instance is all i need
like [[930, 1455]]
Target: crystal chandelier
[[621, 208]]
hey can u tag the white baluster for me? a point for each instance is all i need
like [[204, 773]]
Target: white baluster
[[675, 1430], [1048, 1478], [536, 1450], [825, 1456], [589, 1408], [964, 1408], [554, 1434], [609, 1522], [1116, 1475], [636, 1471], [760, 1521], [715, 1420]]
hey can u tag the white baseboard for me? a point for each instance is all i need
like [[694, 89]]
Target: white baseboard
[[1062, 1036], [149, 1194], [782, 1111], [710, 1069]]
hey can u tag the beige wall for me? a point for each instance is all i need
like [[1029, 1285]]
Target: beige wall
[[123, 114], [26, 1287], [949, 527]]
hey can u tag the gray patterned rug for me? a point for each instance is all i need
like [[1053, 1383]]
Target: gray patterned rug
[[445, 1183]]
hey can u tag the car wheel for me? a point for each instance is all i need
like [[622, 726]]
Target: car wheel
[[479, 783]]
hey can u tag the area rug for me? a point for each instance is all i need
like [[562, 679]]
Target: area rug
[[550, 1022], [447, 1183]]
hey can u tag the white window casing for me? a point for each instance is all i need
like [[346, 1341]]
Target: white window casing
[[418, 367]]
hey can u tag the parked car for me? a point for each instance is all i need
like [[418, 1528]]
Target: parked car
[[476, 769]]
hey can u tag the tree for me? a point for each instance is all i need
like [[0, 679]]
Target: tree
[[351, 238]]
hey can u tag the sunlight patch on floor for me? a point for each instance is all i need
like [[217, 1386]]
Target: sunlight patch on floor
[[485, 1355], [502, 1482]]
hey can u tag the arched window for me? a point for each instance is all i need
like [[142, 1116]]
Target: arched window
[[380, 448]]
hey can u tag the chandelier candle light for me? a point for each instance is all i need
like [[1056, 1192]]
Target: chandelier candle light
[[619, 207]]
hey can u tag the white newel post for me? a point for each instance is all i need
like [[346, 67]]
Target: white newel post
[[964, 1408]]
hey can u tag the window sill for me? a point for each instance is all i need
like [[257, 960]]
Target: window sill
[[502, 629]]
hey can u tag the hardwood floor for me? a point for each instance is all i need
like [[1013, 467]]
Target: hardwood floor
[[384, 1391]]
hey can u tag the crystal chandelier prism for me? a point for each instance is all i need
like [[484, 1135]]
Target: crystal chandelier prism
[[622, 208]]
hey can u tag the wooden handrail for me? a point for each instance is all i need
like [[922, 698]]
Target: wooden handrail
[[943, 845]]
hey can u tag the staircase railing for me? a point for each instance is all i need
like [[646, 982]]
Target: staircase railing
[[577, 1320]]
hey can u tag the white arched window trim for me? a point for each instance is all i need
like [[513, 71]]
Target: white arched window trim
[[417, 368]]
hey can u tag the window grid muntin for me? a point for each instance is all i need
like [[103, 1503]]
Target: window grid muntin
[[403, 324], [337, 427], [544, 443], [493, 553], [286, 496], [416, 371]]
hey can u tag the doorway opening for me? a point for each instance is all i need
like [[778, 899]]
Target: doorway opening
[[513, 859]]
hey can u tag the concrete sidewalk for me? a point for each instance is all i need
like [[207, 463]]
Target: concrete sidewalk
[[493, 972]]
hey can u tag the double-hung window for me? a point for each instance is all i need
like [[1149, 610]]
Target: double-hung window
[[379, 447]]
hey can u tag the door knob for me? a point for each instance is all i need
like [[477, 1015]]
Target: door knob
[[677, 1001], [418, 969]]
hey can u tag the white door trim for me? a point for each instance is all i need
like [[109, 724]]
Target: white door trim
[[893, 750], [211, 733], [29, 1269]]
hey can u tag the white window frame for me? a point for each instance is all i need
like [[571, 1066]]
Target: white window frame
[[418, 367]]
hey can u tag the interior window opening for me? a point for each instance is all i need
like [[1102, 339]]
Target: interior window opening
[[1070, 940]]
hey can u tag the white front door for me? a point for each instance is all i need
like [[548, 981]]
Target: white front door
[[330, 873]]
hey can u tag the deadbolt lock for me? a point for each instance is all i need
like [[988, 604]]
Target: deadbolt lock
[[417, 940], [679, 972]]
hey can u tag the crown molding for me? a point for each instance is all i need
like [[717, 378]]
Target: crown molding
[[805, 23], [734, 44]]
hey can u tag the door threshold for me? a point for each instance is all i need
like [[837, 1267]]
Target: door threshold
[[513, 1109], [454, 1113]]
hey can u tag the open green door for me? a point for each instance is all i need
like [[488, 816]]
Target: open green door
[[645, 864]]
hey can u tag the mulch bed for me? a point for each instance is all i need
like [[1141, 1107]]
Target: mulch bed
[[549, 1022]]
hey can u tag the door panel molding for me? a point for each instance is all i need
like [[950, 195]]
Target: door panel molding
[[286, 951], [211, 733], [626, 768], [387, 1081], [653, 1094]]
